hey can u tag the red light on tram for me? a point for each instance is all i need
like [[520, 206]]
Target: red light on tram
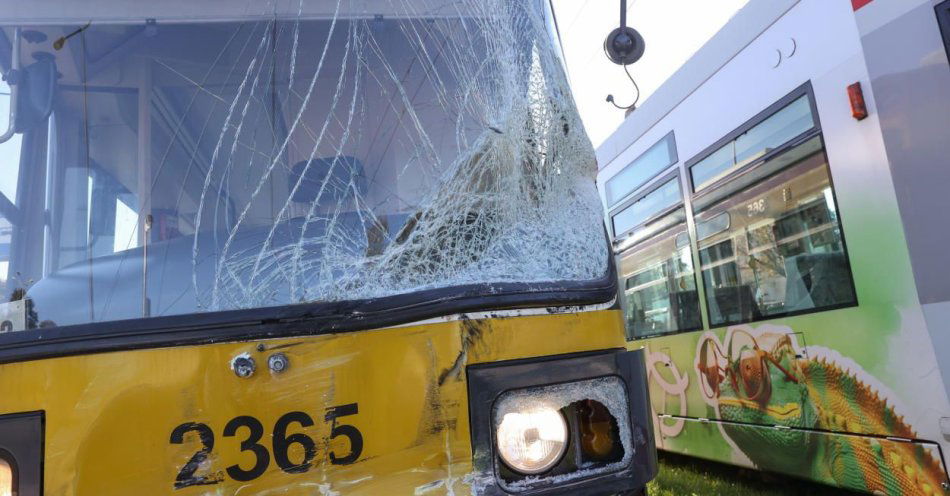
[[859, 110]]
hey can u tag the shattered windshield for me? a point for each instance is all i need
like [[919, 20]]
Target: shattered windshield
[[234, 154]]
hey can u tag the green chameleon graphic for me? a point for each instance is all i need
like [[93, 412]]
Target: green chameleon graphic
[[799, 399]]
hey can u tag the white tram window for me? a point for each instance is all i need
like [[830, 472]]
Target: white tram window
[[647, 206], [653, 161], [126, 227], [10, 150], [6, 235], [783, 251], [660, 284], [766, 136], [9, 154]]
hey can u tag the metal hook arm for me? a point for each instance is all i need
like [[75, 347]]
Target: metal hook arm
[[632, 106]]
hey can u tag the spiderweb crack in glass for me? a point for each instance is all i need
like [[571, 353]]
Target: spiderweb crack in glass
[[484, 218], [312, 151]]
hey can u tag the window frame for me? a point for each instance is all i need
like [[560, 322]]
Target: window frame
[[670, 140], [695, 202], [622, 284], [658, 182], [943, 20], [696, 197], [803, 90], [670, 173]]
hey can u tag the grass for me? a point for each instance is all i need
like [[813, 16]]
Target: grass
[[685, 476]]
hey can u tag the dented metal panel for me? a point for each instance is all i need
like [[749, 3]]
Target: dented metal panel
[[111, 417]]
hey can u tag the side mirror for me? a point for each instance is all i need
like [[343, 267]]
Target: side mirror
[[9, 91], [37, 88], [6, 108], [27, 94]]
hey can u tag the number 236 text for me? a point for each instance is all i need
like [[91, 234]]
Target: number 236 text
[[252, 432]]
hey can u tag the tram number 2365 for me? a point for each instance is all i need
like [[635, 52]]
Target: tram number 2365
[[253, 431]]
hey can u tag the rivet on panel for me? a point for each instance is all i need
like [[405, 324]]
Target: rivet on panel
[[278, 362]]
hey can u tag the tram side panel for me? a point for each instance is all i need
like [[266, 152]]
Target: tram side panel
[[370, 412], [906, 57], [844, 393]]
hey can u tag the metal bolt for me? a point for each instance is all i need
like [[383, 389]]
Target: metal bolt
[[243, 365], [278, 362]]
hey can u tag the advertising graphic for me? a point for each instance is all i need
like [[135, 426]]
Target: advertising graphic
[[781, 406]]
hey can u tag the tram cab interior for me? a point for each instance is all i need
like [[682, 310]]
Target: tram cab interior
[[172, 144]]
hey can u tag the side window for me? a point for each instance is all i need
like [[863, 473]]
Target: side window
[[645, 208], [650, 164], [658, 280], [777, 129], [102, 216], [9, 174], [769, 237]]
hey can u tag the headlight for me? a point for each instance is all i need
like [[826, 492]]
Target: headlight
[[531, 440], [21, 454], [555, 430], [6, 478], [561, 425]]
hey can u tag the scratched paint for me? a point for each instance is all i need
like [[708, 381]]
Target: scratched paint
[[109, 416]]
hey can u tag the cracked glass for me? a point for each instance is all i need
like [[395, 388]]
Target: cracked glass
[[207, 156]]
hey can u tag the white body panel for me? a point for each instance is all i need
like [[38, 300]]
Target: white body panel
[[768, 50]]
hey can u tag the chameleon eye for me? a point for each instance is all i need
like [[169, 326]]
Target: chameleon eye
[[748, 364], [753, 373]]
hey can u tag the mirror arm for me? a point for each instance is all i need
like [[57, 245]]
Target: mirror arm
[[11, 78]]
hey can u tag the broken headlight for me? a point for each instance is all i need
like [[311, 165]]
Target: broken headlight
[[21, 454], [559, 425], [561, 432]]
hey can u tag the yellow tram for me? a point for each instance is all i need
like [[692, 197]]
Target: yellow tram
[[304, 247]]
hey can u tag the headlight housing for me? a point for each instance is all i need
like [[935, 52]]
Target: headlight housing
[[603, 401], [21, 454], [564, 431]]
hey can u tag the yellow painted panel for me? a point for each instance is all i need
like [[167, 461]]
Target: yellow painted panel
[[110, 416]]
